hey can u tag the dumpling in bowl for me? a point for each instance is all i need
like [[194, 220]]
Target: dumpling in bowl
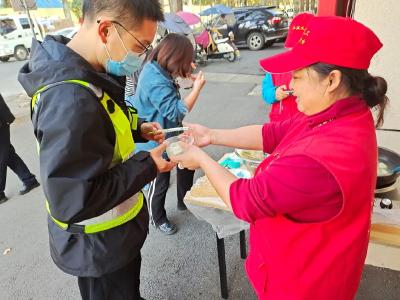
[[383, 169]]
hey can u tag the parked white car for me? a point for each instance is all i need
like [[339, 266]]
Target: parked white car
[[68, 32], [16, 37]]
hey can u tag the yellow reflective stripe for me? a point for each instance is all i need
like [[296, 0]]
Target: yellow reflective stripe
[[133, 117], [36, 95], [84, 83], [124, 145], [94, 228], [62, 225], [134, 122], [129, 215]]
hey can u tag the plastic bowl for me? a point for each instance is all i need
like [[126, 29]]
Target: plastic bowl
[[251, 161], [174, 144]]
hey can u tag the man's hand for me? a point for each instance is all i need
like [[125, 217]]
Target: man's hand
[[162, 165], [150, 132]]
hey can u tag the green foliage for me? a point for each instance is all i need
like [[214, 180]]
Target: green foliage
[[5, 3], [76, 7]]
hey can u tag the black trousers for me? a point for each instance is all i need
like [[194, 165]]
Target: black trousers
[[8, 158], [158, 192], [122, 284]]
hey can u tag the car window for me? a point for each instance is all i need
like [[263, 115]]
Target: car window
[[24, 23], [7, 26], [276, 12], [241, 16], [256, 15]]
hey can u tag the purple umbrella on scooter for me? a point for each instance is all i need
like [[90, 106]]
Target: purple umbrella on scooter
[[189, 18]]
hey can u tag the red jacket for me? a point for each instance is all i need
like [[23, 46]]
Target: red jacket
[[287, 108], [322, 260]]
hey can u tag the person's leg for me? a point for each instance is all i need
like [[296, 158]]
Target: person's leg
[[156, 198], [18, 166], [122, 284], [4, 153], [184, 184]]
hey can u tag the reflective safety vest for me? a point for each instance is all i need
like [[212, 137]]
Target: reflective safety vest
[[124, 147]]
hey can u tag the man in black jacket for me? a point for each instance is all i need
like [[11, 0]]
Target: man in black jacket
[[8, 157], [97, 218]]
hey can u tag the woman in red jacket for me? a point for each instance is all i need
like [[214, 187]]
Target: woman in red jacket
[[309, 204], [275, 86]]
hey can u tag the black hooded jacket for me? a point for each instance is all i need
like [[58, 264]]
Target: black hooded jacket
[[76, 139]]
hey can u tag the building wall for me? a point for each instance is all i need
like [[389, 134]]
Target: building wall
[[383, 18]]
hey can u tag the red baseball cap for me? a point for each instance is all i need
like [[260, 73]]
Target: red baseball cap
[[296, 29], [332, 40]]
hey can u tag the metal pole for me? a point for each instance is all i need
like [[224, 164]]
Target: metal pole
[[222, 267], [29, 18], [242, 237]]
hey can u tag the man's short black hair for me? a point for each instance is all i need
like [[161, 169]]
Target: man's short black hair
[[128, 12]]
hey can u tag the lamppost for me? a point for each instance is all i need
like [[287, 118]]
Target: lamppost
[[25, 6]]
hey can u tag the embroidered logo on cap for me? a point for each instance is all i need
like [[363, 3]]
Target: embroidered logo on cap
[[306, 33]]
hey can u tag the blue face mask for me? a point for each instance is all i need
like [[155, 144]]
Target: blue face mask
[[125, 67]]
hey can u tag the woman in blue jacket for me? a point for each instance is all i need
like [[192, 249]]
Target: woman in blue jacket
[[158, 99]]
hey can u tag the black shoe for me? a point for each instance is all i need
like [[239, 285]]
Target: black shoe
[[182, 206], [3, 198], [27, 188], [167, 228]]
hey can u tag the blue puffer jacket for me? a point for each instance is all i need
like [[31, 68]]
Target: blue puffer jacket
[[268, 89], [157, 99]]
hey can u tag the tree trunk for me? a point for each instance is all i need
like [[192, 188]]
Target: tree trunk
[[67, 12], [301, 9], [313, 6], [175, 5], [307, 8]]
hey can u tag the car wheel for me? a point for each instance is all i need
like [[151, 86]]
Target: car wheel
[[4, 59], [230, 56], [269, 43], [255, 41], [21, 53]]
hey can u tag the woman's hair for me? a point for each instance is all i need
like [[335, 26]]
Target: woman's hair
[[174, 54], [359, 82], [128, 12]]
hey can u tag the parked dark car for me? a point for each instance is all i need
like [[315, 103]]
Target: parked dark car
[[259, 26]]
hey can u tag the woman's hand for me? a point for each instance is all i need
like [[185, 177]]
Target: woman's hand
[[199, 81], [201, 134], [149, 131], [162, 165], [190, 158], [281, 93]]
